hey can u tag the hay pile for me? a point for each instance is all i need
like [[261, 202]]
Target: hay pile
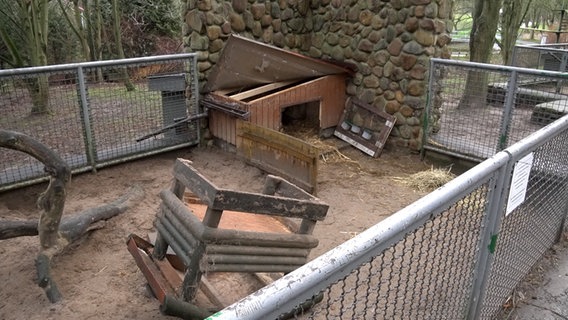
[[426, 181], [328, 150]]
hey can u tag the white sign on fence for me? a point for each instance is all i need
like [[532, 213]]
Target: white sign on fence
[[519, 182]]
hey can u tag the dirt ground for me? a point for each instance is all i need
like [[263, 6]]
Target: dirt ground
[[99, 279]]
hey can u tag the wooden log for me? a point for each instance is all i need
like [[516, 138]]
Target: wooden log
[[250, 268], [44, 279], [269, 205], [261, 251], [183, 213], [261, 239], [52, 200], [73, 227], [187, 234], [174, 307], [178, 249], [253, 259]]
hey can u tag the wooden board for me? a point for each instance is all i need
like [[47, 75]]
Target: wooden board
[[279, 154], [243, 221], [371, 135]]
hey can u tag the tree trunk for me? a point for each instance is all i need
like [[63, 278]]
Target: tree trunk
[[38, 89], [36, 26], [514, 12], [482, 38], [98, 46], [118, 38]]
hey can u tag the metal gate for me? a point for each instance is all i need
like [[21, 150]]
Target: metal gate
[[99, 113]]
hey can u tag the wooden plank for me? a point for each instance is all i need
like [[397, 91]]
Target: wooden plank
[[212, 293], [260, 90], [279, 154], [194, 181], [333, 101], [269, 205], [377, 138]]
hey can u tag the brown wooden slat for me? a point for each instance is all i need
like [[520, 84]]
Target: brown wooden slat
[[279, 154], [260, 90]]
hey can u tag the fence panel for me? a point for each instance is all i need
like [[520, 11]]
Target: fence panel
[[546, 57], [533, 227], [60, 129], [472, 112], [99, 112]]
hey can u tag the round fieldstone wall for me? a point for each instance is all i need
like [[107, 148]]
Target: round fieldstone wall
[[390, 42]]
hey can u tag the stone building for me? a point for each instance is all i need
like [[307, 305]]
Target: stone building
[[389, 41]]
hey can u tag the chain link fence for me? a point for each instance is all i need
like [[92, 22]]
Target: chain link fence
[[98, 113], [457, 253], [473, 113]]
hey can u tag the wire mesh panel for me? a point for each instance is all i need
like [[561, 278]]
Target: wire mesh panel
[[465, 114], [140, 107], [476, 110], [97, 113], [43, 105], [426, 275], [533, 227], [545, 57]]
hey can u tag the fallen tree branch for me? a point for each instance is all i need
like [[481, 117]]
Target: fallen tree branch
[[73, 227], [54, 237]]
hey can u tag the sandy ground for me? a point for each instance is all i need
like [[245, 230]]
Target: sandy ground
[[99, 279]]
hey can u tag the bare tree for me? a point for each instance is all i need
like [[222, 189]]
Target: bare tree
[[116, 20], [513, 14], [27, 46], [481, 41]]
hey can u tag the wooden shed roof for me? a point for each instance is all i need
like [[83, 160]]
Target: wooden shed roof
[[246, 63]]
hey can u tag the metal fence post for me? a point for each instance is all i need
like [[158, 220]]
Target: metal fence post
[[562, 68], [488, 240], [426, 116], [507, 111], [515, 57], [86, 117]]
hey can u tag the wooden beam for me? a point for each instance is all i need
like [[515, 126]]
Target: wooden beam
[[261, 90]]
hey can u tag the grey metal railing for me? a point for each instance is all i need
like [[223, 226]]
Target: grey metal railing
[[551, 57], [476, 110], [456, 253], [92, 118]]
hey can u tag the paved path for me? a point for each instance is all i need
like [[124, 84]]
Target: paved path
[[550, 300]]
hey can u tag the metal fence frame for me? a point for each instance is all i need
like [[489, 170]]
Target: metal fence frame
[[93, 159], [491, 258], [501, 140], [520, 53]]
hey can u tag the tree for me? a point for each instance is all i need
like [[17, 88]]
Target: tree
[[24, 33], [482, 38], [118, 38], [514, 12], [78, 23]]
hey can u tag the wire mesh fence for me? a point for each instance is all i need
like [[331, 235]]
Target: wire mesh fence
[[456, 253], [528, 231], [94, 114], [473, 113], [551, 57]]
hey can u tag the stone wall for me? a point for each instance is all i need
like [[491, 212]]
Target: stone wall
[[390, 42]]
